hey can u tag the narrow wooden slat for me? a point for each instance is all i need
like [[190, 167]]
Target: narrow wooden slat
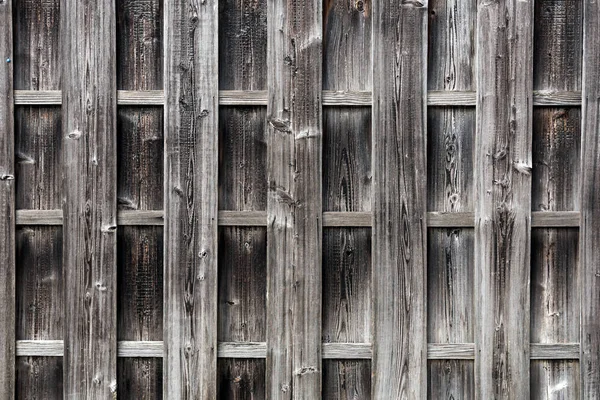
[[502, 198], [191, 163], [451, 351], [140, 217], [552, 351], [454, 98], [40, 348], [399, 364], [589, 251], [341, 351], [90, 217], [7, 206], [294, 223]]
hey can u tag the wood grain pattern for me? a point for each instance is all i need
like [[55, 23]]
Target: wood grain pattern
[[90, 203], [7, 206], [36, 45], [503, 198], [347, 379], [241, 379], [39, 378], [399, 203], [191, 164], [294, 162], [589, 252], [242, 284], [242, 44], [242, 159]]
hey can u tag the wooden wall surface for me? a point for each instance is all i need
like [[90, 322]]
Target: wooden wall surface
[[337, 199]]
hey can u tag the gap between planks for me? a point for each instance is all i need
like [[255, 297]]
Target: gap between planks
[[539, 219], [331, 351], [330, 98]]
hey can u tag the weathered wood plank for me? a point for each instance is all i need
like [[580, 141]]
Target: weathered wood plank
[[294, 143], [90, 209], [39, 378], [503, 198], [241, 379], [589, 251], [347, 379], [7, 206], [399, 366], [191, 163]]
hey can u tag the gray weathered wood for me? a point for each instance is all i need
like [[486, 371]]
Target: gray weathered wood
[[589, 251], [503, 198], [191, 163], [90, 209], [241, 379], [346, 379], [399, 366], [294, 143], [7, 207]]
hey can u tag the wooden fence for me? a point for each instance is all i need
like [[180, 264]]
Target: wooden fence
[[338, 199]]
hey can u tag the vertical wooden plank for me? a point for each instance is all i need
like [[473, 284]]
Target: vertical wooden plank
[[399, 203], [503, 198], [294, 143], [347, 379], [89, 211], [191, 160], [7, 206], [241, 379], [589, 232]]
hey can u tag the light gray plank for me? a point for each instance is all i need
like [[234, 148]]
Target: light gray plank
[[191, 163], [90, 209], [503, 198], [294, 234], [589, 251], [399, 365], [7, 207]]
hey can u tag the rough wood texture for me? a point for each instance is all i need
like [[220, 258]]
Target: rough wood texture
[[191, 160], [589, 254], [90, 206], [140, 307], [39, 378], [294, 143], [7, 207], [399, 203], [242, 284], [242, 44], [503, 198], [139, 44], [242, 159], [241, 379], [36, 44], [450, 308], [347, 380]]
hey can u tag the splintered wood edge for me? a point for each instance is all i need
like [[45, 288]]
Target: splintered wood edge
[[330, 98], [539, 219], [331, 351]]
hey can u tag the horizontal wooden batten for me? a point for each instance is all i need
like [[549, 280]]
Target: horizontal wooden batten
[[539, 219], [332, 351], [330, 98]]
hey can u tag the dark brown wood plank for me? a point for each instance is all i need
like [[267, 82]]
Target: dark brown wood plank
[[242, 44], [39, 378], [139, 44], [242, 284], [451, 57], [346, 286], [241, 379], [399, 203], [36, 44], [90, 203], [347, 379], [7, 206], [191, 164], [140, 158], [589, 251], [242, 159], [294, 221], [503, 198], [38, 154]]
